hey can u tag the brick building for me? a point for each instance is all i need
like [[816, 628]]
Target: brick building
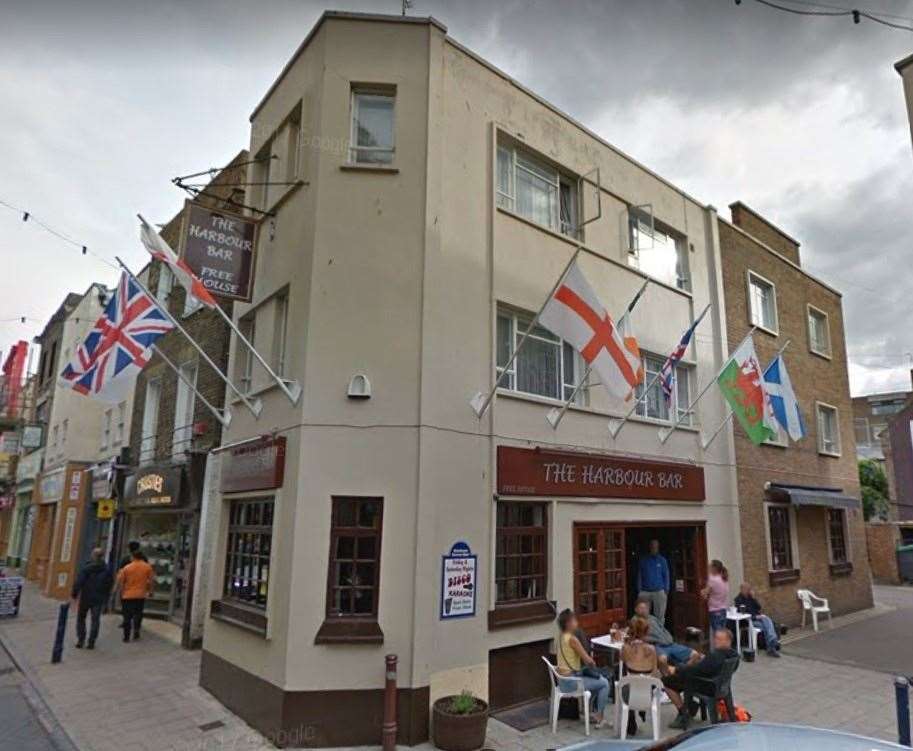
[[801, 520], [870, 419], [173, 431]]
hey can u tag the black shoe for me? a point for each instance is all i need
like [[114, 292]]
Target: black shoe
[[79, 645], [681, 722], [693, 708], [126, 637], [90, 645], [135, 635]]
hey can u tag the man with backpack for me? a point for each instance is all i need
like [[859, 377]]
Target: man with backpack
[[91, 588]]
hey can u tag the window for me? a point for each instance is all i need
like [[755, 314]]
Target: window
[[354, 572], [165, 284], [150, 420], [828, 430], [819, 336], [762, 299], [182, 436], [521, 567], [888, 407], [250, 537], [372, 127], [654, 405], [536, 191], [121, 423], [281, 330], [245, 356], [836, 536], [56, 434], [106, 428], [656, 251], [779, 527], [546, 366]]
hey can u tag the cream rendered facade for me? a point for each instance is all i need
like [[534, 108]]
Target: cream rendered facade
[[396, 272], [905, 69]]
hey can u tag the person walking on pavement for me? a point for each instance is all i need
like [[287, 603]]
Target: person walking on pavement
[[134, 581], [653, 580], [91, 588]]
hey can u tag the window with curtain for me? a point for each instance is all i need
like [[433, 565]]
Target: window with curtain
[[536, 191], [657, 252], [653, 404]]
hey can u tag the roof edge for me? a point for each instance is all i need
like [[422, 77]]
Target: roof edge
[[905, 63], [766, 221]]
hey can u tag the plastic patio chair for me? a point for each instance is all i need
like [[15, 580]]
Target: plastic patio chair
[[808, 600], [708, 691], [644, 693], [578, 692]]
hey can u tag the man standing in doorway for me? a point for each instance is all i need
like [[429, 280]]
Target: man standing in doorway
[[653, 580], [134, 581], [92, 587]]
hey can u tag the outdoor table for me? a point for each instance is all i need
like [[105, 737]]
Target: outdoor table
[[734, 615], [606, 641]]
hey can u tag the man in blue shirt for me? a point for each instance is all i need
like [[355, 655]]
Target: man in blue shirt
[[653, 580]]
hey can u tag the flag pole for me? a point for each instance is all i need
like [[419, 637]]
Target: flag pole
[[725, 422], [555, 415], [664, 433], [292, 389], [480, 401], [617, 429], [255, 406], [223, 416]]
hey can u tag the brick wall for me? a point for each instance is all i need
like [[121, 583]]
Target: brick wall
[[900, 483], [882, 541], [814, 378], [757, 226]]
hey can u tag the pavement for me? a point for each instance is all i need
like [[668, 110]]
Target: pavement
[[145, 696]]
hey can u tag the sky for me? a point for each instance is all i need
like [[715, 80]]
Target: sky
[[802, 118]]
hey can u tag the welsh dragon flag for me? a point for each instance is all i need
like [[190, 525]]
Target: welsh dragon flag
[[742, 384]]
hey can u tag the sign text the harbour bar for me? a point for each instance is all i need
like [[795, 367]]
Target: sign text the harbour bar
[[542, 472]]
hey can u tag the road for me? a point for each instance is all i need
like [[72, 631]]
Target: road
[[883, 643], [21, 728]]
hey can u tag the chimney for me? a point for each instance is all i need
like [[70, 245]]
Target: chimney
[[747, 219]]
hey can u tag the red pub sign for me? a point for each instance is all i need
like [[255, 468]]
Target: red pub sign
[[543, 472], [254, 465]]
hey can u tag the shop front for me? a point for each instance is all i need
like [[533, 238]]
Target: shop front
[[24, 513], [45, 501], [101, 508], [66, 532]]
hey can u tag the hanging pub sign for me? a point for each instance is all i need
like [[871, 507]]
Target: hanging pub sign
[[10, 594], [219, 248], [254, 465], [542, 472], [154, 487], [458, 582]]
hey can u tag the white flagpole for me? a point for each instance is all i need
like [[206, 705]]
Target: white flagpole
[[615, 430], [223, 417], [705, 444], [664, 433], [480, 401], [292, 389], [555, 415], [255, 406]]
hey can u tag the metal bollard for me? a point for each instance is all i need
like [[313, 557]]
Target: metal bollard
[[902, 697], [57, 653], [388, 733]]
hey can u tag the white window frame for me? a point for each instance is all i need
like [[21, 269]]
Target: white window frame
[[184, 404], [121, 423], [819, 407], [380, 92], [509, 382], [781, 440], [752, 319], [149, 431], [281, 333], [675, 409], [846, 536], [812, 311], [793, 536], [636, 219]]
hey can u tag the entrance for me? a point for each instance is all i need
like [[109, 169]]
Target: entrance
[[606, 560]]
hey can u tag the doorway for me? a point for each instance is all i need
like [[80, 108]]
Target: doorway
[[600, 588]]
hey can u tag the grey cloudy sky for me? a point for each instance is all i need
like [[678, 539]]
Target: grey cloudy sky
[[802, 118]]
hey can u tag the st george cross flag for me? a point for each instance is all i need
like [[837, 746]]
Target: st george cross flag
[[783, 399], [162, 251], [118, 346], [742, 384], [667, 373], [575, 314]]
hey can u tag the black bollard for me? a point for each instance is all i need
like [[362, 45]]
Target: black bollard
[[902, 697], [57, 654]]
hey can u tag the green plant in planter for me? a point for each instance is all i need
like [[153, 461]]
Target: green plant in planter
[[465, 703]]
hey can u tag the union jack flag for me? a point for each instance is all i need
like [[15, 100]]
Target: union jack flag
[[119, 344], [667, 373]]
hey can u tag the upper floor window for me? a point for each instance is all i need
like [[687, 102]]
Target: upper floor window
[[182, 435], [372, 126], [656, 251], [762, 300], [106, 428], [888, 407], [150, 420], [819, 336], [828, 430], [245, 356], [546, 365], [121, 422], [653, 403], [536, 191]]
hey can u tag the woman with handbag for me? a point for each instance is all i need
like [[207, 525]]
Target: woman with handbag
[[574, 662]]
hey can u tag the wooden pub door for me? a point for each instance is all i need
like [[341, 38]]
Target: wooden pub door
[[600, 592]]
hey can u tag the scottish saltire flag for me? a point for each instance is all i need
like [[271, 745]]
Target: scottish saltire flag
[[118, 346], [667, 374], [783, 400]]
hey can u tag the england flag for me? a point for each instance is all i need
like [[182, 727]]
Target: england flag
[[783, 400]]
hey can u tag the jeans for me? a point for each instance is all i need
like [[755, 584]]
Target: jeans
[[767, 627], [717, 620], [598, 688], [132, 611], [658, 601], [678, 654], [95, 612]]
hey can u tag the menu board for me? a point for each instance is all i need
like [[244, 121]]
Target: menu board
[[10, 594], [458, 582]]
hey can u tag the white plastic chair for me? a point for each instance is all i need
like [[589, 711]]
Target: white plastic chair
[[579, 692], [808, 599], [644, 693]]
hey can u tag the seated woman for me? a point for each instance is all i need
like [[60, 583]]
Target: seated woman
[[639, 658], [574, 662]]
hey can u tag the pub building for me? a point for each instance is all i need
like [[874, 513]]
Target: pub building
[[401, 522]]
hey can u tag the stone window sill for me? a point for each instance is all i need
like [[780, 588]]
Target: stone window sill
[[349, 631], [380, 169], [841, 569], [238, 615], [784, 577], [520, 613]]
